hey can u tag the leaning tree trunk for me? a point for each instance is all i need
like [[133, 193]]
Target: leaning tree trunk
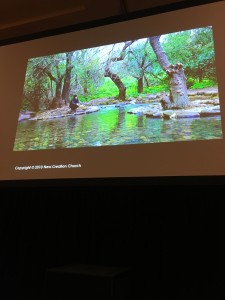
[[115, 78], [58, 101], [177, 79], [67, 79]]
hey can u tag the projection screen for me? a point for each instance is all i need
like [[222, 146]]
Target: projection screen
[[151, 100]]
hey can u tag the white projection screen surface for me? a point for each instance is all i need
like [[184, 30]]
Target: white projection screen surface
[[151, 99]]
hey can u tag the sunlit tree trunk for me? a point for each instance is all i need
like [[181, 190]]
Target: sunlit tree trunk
[[58, 94], [114, 77], [177, 79], [67, 79], [117, 81], [57, 101]]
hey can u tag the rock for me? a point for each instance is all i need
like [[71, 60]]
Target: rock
[[165, 101], [140, 109], [168, 114], [26, 115], [187, 114], [209, 112], [92, 109], [158, 114], [63, 112], [133, 102]]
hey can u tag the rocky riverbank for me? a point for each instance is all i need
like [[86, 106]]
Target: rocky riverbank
[[203, 103], [58, 113]]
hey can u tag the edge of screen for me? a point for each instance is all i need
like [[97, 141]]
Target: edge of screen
[[106, 21], [214, 180], [133, 182]]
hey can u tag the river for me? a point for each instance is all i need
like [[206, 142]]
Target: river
[[112, 126]]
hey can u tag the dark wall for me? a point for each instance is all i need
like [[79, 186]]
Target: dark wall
[[172, 237]]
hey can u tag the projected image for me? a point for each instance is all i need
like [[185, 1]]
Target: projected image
[[149, 90]]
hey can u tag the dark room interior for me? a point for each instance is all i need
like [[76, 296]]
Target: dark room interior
[[125, 237]]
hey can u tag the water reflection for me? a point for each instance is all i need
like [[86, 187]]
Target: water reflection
[[112, 126]]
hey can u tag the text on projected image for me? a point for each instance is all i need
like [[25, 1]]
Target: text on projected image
[[150, 90]]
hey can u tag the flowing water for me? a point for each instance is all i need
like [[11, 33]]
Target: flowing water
[[112, 126]]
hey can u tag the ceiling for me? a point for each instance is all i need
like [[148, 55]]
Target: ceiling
[[25, 17]]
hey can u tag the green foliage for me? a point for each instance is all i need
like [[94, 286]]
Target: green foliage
[[106, 90], [193, 48], [87, 75], [132, 91], [156, 89], [190, 82], [205, 83], [109, 90]]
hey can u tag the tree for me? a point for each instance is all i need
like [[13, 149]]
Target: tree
[[202, 47], [56, 73], [177, 80], [87, 76], [139, 63], [113, 76], [67, 78], [51, 71], [36, 87], [195, 49]]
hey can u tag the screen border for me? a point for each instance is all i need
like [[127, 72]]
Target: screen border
[[112, 181]]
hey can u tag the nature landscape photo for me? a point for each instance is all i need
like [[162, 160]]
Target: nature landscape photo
[[149, 90]]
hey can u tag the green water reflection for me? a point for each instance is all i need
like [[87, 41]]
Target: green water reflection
[[112, 126]]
